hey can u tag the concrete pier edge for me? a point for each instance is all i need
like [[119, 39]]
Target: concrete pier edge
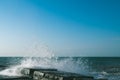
[[54, 74]]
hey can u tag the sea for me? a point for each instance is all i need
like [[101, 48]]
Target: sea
[[98, 67]]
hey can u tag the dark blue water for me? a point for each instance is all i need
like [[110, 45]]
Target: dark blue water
[[107, 67]]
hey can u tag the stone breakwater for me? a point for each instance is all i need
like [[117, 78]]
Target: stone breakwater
[[53, 74], [48, 74]]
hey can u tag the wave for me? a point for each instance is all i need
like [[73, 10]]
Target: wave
[[62, 64], [67, 64]]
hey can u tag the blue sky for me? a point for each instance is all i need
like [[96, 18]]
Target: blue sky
[[67, 27]]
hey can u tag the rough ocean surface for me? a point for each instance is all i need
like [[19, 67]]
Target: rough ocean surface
[[106, 67]]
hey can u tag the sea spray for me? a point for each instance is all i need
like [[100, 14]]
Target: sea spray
[[97, 67], [38, 49], [67, 64], [12, 71], [46, 59]]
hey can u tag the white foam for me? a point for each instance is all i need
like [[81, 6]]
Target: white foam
[[12, 71], [68, 65]]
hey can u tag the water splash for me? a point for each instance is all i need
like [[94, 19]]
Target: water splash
[[62, 64], [39, 49], [12, 71], [46, 60]]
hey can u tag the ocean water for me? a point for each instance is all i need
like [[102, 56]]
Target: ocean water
[[106, 67]]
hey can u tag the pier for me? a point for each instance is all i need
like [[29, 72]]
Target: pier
[[48, 74], [53, 74]]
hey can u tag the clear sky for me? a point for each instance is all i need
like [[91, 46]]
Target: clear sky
[[67, 27]]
